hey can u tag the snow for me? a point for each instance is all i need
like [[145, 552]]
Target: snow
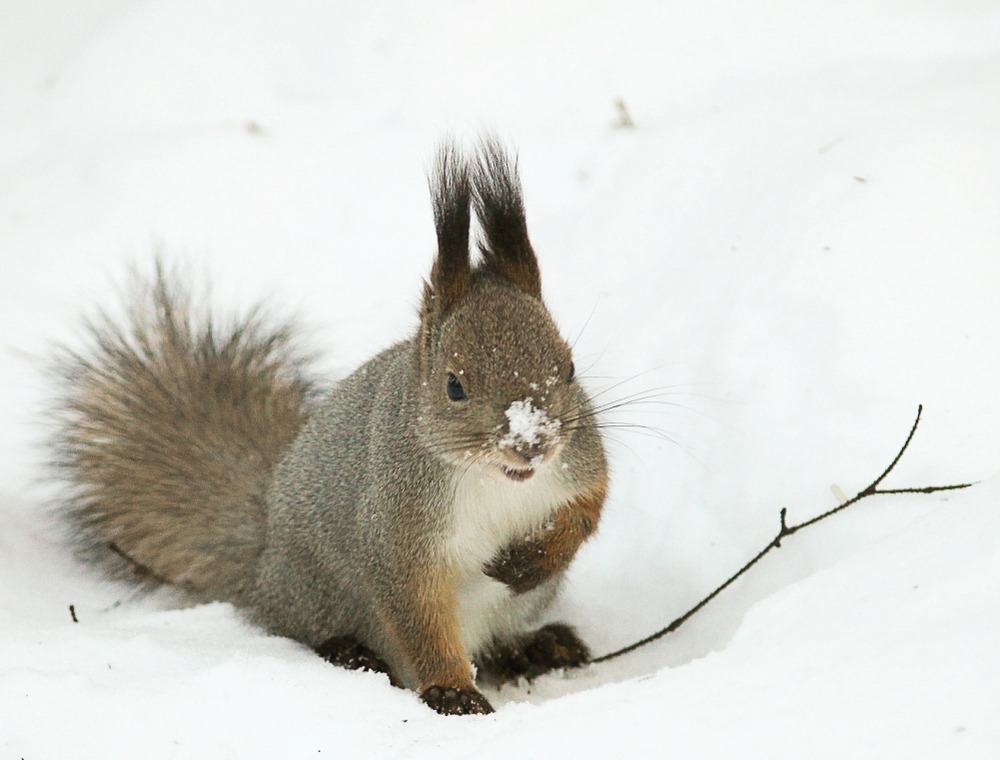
[[794, 245], [527, 425]]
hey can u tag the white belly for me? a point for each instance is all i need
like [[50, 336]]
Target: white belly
[[488, 514]]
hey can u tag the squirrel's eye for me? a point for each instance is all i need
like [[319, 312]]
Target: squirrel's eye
[[572, 373], [455, 390]]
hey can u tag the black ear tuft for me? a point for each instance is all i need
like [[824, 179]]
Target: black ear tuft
[[506, 249], [451, 197]]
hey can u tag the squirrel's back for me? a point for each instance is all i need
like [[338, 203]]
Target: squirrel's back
[[168, 431]]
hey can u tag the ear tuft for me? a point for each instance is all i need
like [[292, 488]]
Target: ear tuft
[[451, 198], [506, 249]]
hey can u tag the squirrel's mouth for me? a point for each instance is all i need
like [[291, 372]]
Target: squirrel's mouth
[[517, 475]]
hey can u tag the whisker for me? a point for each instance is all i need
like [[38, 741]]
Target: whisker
[[646, 430], [662, 392], [579, 335], [623, 380], [459, 442], [639, 399], [626, 405]]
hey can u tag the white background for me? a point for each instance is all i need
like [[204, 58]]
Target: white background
[[795, 244]]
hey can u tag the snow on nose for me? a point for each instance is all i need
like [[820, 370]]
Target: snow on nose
[[529, 429]]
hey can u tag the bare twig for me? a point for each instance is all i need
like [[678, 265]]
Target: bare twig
[[784, 531]]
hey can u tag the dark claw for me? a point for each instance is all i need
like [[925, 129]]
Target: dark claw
[[549, 648], [348, 652], [449, 700], [520, 566]]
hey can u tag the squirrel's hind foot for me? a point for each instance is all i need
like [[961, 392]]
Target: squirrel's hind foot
[[551, 647], [348, 652]]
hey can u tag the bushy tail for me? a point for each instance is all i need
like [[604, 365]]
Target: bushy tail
[[168, 431]]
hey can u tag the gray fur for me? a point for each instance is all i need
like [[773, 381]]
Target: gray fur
[[168, 430], [198, 458]]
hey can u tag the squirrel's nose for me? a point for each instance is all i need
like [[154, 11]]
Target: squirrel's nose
[[531, 435], [532, 452]]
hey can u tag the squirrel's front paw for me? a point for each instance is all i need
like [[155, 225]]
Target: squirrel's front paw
[[522, 565], [450, 700]]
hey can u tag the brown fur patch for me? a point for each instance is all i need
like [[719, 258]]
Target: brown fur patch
[[421, 618], [534, 559]]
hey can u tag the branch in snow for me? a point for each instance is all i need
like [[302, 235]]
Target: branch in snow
[[784, 531]]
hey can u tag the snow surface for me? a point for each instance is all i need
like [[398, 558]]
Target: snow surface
[[795, 244]]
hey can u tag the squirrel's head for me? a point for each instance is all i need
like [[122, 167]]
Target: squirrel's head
[[498, 382]]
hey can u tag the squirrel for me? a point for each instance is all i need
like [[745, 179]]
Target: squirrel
[[416, 520]]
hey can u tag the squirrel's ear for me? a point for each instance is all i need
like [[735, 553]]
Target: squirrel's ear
[[451, 196], [506, 249]]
